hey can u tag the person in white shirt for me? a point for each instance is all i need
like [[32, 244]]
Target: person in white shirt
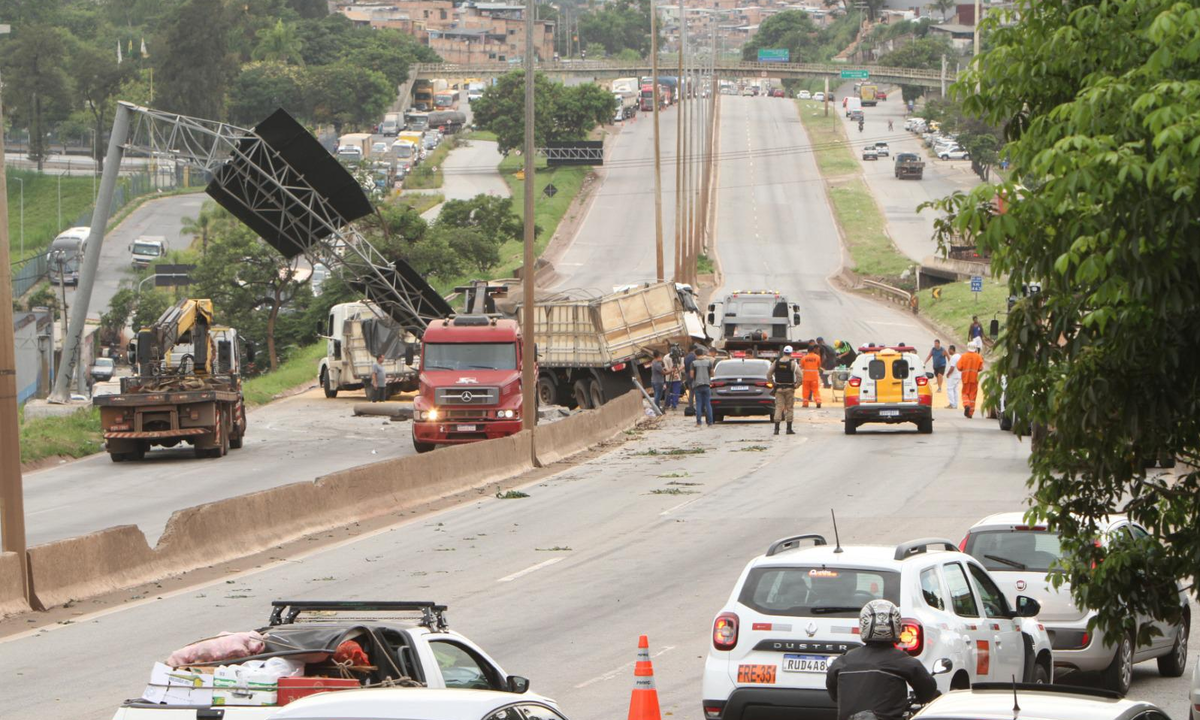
[[953, 378]]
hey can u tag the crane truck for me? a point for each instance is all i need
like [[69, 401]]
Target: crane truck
[[187, 389]]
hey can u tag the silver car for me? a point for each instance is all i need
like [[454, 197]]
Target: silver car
[[1037, 702], [1019, 556]]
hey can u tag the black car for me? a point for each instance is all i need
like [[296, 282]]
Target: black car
[[742, 386]]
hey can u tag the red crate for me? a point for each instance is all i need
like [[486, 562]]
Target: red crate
[[294, 688]]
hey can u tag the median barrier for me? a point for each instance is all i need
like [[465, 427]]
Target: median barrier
[[223, 530], [12, 599], [583, 430]]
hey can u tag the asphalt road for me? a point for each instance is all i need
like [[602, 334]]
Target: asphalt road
[[292, 440]]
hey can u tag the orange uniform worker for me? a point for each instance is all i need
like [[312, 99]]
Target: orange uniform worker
[[970, 364], [810, 367]]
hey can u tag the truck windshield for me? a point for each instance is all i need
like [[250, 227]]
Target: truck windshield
[[145, 249], [470, 356]]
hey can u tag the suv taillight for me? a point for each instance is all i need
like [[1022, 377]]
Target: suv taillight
[[912, 637], [962, 546], [922, 381], [855, 382], [725, 631]]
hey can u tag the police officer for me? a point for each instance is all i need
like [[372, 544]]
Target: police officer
[[784, 373], [875, 677]]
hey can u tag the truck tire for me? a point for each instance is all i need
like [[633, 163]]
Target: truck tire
[[421, 447], [851, 427], [925, 427], [117, 457], [595, 393], [330, 392], [547, 391], [583, 397]]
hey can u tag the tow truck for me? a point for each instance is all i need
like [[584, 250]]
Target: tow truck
[[758, 323]]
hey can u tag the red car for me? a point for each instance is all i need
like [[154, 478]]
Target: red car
[[777, 93], [880, 95]]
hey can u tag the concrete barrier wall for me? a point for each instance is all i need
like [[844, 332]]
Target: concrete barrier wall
[[215, 532], [578, 432], [12, 599]]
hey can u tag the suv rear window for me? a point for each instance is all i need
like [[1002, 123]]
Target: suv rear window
[[876, 370], [805, 591], [1014, 550]]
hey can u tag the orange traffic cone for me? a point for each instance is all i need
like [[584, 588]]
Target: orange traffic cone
[[643, 705]]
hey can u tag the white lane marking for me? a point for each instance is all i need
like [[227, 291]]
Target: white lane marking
[[896, 324], [613, 673], [672, 509], [530, 569]]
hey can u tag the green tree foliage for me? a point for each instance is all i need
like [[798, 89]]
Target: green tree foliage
[[925, 53], [942, 6], [309, 9], [37, 89], [795, 31], [120, 310], [1100, 101], [342, 93], [194, 67], [476, 228], [98, 80], [205, 224], [560, 113], [278, 43], [261, 88], [619, 25]]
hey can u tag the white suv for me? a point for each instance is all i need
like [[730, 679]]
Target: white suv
[[1020, 556], [794, 609]]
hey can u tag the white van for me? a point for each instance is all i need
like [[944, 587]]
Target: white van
[[852, 104], [392, 124], [66, 255]]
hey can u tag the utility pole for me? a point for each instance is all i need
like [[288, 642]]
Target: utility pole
[[977, 11], [680, 243], [12, 496], [91, 257], [658, 220], [528, 348]]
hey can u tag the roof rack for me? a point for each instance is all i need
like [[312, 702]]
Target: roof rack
[[791, 543], [286, 612], [1041, 688], [916, 547]]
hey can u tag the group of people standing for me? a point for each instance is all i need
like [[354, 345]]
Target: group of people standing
[[670, 373], [960, 371]]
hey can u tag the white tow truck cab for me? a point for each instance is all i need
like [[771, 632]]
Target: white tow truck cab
[[146, 249], [409, 645], [355, 333]]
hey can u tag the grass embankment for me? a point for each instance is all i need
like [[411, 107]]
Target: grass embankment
[[428, 174], [548, 212], [828, 139], [298, 369], [864, 229], [68, 436], [41, 208], [420, 202], [480, 135], [958, 304]]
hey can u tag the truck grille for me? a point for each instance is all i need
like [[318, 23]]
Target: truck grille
[[467, 396]]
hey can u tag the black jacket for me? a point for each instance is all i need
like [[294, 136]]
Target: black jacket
[[876, 677]]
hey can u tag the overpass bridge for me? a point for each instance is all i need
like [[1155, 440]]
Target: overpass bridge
[[607, 69]]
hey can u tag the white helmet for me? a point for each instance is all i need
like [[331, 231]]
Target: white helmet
[[787, 349], [976, 343], [879, 621]]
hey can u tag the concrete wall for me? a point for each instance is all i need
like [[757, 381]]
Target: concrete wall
[[12, 600], [33, 355], [215, 532]]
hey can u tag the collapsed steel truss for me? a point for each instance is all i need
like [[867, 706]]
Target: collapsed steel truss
[[254, 174]]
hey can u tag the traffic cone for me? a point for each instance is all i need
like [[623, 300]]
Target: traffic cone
[[643, 704]]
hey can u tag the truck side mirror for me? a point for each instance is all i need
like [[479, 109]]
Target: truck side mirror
[[712, 307], [408, 354], [320, 328], [795, 318], [712, 317], [249, 351]]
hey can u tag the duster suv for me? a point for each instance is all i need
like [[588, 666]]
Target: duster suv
[[795, 608], [1020, 556]]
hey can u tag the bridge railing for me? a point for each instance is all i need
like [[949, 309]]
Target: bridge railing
[[882, 72]]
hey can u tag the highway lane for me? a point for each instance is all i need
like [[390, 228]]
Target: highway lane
[[615, 243], [776, 231], [292, 440]]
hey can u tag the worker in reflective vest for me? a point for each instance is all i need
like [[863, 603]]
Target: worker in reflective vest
[[810, 365], [969, 367]]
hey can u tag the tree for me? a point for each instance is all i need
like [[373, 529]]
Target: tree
[[561, 113], [942, 6], [1103, 365], [120, 310], [619, 25], [98, 80], [309, 9], [194, 67], [492, 215], [922, 53], [278, 43], [790, 29], [37, 90], [204, 224], [343, 94], [261, 88]]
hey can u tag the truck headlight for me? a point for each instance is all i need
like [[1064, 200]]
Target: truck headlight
[[431, 414]]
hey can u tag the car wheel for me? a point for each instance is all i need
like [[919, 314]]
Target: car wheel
[[1041, 676], [1174, 663], [851, 427], [1119, 673], [718, 417], [945, 157], [1006, 422]]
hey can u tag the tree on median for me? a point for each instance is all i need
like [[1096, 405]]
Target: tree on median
[[561, 113], [1099, 103]]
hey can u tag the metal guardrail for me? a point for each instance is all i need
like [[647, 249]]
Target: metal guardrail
[[892, 294], [741, 67]]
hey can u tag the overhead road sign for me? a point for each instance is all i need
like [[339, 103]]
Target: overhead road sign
[[776, 55], [855, 74]]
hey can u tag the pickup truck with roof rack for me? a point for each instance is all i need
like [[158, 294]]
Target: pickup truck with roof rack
[[411, 646]]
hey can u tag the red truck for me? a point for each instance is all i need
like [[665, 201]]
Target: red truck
[[647, 98], [470, 381]]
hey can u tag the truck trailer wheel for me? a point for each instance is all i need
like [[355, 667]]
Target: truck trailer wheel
[[330, 392], [595, 393], [547, 391], [583, 396]]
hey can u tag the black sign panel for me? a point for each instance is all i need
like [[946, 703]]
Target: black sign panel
[[583, 152], [169, 275]]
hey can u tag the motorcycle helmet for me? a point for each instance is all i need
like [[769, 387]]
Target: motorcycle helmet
[[879, 621]]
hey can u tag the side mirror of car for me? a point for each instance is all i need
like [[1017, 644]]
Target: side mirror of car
[[518, 684], [1027, 606], [942, 667]]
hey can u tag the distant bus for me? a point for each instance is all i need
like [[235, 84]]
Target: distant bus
[[66, 255], [445, 100]]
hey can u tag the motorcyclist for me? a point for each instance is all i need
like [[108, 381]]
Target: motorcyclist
[[875, 677]]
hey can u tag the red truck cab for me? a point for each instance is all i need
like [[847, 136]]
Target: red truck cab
[[470, 382]]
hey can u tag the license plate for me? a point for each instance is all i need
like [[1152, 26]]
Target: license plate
[[739, 388], [466, 428], [889, 413], [805, 663], [760, 674]]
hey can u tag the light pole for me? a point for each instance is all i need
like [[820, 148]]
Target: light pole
[[658, 221], [529, 413], [22, 181]]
